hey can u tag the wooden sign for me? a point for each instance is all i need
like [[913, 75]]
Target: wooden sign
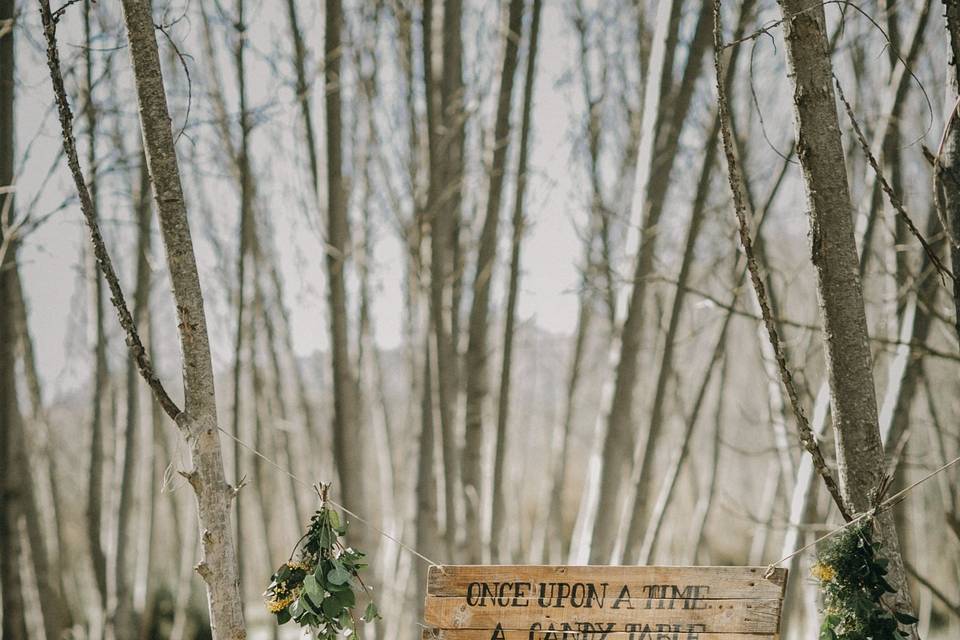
[[478, 602]]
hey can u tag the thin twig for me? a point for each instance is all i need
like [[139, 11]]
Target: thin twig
[[938, 169], [932, 588], [866, 515], [887, 189], [807, 437], [356, 517]]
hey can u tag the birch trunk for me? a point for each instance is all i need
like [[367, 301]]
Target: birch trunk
[[853, 401], [147, 580], [705, 501], [218, 566], [892, 103], [11, 580], [282, 413], [555, 531]]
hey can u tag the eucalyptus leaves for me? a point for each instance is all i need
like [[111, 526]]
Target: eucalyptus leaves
[[852, 577], [320, 589]]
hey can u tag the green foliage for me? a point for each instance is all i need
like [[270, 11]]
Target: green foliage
[[320, 589], [852, 576]]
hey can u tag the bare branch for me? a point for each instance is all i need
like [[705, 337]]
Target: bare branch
[[807, 437], [137, 351]]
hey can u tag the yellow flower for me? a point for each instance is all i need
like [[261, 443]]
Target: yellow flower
[[281, 599], [823, 572]]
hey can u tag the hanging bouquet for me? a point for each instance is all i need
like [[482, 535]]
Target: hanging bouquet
[[319, 590], [852, 575]]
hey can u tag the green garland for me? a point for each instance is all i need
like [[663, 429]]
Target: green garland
[[320, 589], [852, 575]]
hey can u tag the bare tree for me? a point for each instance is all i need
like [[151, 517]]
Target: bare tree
[[853, 401], [123, 621], [637, 524], [509, 329], [347, 433], [50, 584], [947, 167], [14, 622], [661, 131], [244, 250], [198, 419], [446, 134], [101, 375], [477, 349]]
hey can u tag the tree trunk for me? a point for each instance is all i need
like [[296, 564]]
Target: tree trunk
[[426, 522], [282, 412], [948, 175], [705, 500], [636, 532], [597, 528], [262, 485], [11, 486], [905, 367], [853, 401], [309, 136], [123, 621], [892, 103], [184, 582], [519, 224], [14, 623], [218, 567], [245, 240], [347, 432], [50, 585], [655, 160], [776, 401], [147, 580], [101, 375], [446, 132]]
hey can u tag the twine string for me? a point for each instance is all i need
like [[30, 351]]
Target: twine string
[[883, 506], [310, 486]]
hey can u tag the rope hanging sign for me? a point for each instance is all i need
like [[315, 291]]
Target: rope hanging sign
[[479, 602]]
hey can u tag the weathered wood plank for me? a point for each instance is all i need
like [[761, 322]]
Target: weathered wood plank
[[722, 582], [513, 634], [615, 614]]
